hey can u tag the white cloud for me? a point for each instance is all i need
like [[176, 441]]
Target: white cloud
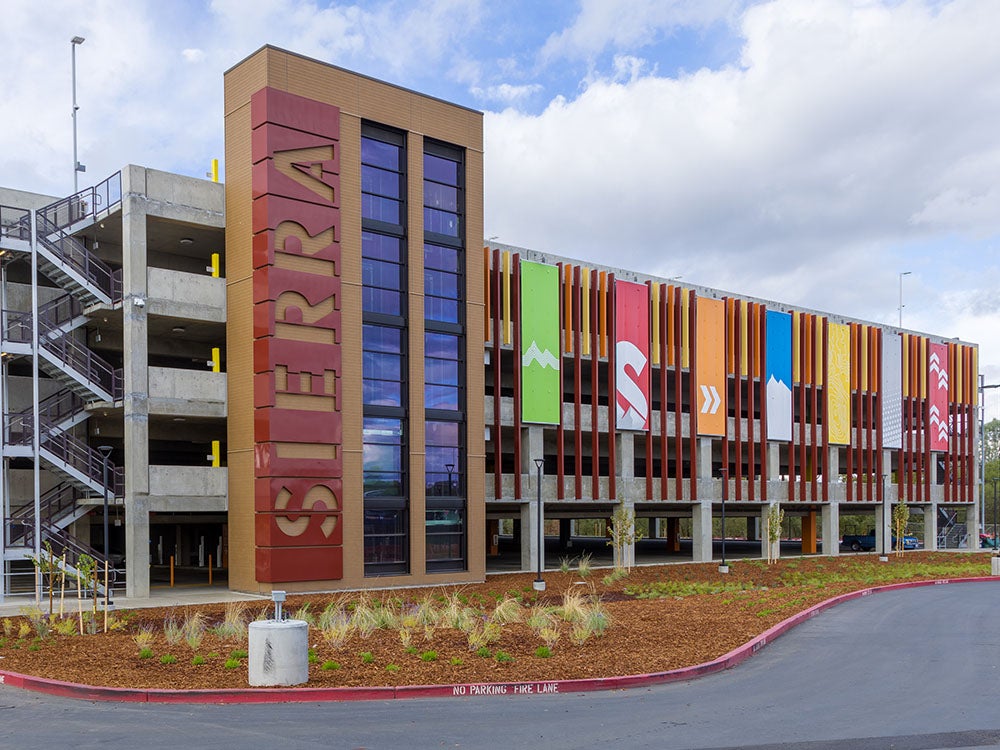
[[506, 93], [610, 23], [193, 55]]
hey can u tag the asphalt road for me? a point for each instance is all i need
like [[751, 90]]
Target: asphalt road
[[909, 670]]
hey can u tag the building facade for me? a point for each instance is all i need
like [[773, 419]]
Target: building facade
[[318, 378]]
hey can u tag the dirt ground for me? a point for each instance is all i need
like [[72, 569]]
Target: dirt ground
[[679, 628]]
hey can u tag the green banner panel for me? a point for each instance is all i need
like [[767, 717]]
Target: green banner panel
[[540, 377]]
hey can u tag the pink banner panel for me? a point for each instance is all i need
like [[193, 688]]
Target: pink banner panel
[[632, 355], [937, 396]]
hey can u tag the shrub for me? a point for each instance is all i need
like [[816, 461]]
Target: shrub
[[234, 622], [574, 606], [303, 613], [193, 630], [429, 656], [392, 667], [507, 611], [145, 653], [367, 657], [65, 627], [232, 663], [197, 660], [23, 630], [335, 625], [583, 565], [143, 637], [172, 631], [328, 665], [168, 659], [484, 653], [238, 653], [456, 662], [313, 658], [503, 657], [543, 652]]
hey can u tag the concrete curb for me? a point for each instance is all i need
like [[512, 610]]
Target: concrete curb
[[310, 695]]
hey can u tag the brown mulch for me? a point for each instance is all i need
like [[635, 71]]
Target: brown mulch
[[645, 635]]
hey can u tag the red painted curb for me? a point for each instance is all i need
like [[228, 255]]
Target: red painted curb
[[310, 695]]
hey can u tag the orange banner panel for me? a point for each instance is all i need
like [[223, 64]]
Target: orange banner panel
[[711, 367]]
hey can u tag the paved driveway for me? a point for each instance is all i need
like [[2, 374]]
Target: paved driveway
[[911, 669]]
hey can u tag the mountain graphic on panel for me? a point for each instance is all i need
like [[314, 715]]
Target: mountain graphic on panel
[[779, 410], [542, 358], [778, 369]]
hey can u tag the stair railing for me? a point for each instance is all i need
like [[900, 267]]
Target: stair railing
[[75, 354]]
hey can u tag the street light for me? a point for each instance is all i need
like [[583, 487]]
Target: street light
[[539, 581], [901, 275], [725, 491], [105, 454], [450, 468], [77, 166]]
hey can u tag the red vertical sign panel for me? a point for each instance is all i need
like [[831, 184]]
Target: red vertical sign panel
[[937, 396], [632, 355], [298, 466]]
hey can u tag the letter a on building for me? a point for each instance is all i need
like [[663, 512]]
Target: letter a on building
[[710, 367], [540, 378], [632, 355]]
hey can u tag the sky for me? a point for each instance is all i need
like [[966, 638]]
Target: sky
[[803, 151]]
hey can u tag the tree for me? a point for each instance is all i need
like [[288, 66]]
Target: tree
[[623, 537], [900, 517], [775, 517]]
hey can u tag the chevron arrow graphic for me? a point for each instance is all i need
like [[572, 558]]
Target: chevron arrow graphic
[[712, 400]]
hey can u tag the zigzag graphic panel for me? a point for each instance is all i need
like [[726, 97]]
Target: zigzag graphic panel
[[540, 354], [937, 392]]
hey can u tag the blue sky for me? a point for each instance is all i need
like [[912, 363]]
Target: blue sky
[[804, 151]]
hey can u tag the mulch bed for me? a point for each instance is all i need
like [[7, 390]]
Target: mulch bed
[[645, 635]]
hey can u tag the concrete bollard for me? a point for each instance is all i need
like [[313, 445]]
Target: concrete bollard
[[995, 565], [278, 653]]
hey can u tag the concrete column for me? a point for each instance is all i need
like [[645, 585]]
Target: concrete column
[[625, 463], [831, 528], [931, 526], [753, 528], [833, 459], [135, 403], [673, 535], [773, 461], [705, 458], [532, 447], [529, 537], [701, 531], [883, 530]]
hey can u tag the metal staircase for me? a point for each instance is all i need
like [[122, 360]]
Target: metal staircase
[[62, 355]]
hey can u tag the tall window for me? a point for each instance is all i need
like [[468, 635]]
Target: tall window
[[444, 357], [384, 365]]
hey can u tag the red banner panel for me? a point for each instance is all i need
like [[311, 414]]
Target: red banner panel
[[937, 396], [298, 466], [632, 355]]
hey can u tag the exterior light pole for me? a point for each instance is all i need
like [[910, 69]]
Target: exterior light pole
[[539, 584], [901, 275], [73, 43], [886, 533], [723, 568], [106, 454]]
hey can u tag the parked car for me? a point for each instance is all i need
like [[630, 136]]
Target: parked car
[[858, 542]]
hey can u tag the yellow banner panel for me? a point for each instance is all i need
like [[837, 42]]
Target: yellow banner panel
[[744, 338], [506, 297], [923, 370], [838, 386], [973, 375], [821, 323], [656, 323]]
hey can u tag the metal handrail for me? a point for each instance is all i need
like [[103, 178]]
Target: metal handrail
[[15, 223], [52, 505], [77, 355], [65, 447], [75, 254], [60, 406], [60, 310], [16, 326], [86, 203], [63, 542]]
